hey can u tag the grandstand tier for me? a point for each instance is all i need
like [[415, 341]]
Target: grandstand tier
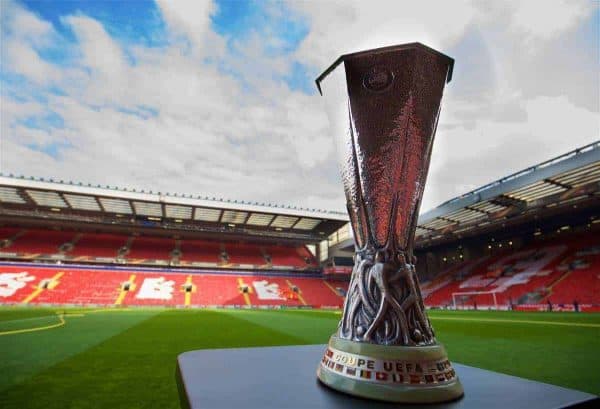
[[71, 246], [561, 272], [564, 270], [527, 241], [101, 246], [69, 285]]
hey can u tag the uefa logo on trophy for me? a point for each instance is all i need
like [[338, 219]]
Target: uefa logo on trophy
[[383, 106]]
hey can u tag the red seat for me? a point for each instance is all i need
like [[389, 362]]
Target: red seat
[[40, 242], [541, 268], [66, 285], [92, 245]]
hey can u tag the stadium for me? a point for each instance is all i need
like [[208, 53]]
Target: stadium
[[91, 260], [439, 245]]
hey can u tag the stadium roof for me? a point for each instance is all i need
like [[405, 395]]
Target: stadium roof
[[572, 178], [551, 187], [19, 194]]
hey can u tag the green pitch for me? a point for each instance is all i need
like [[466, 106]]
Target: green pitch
[[89, 358]]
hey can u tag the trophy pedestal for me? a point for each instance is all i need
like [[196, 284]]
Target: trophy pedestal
[[283, 377], [420, 374]]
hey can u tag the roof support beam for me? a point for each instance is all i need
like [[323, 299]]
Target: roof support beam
[[247, 217], [448, 220], [477, 210], [62, 196], [133, 212], [555, 183], [21, 192], [508, 201]]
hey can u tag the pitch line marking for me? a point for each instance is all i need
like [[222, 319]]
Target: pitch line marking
[[61, 322], [40, 317], [21, 331], [568, 324], [28, 319]]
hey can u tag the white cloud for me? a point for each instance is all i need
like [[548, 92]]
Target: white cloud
[[24, 60], [339, 27], [189, 26], [190, 18], [548, 19], [22, 33], [99, 51], [172, 122], [12, 109], [208, 135], [464, 159], [24, 25]]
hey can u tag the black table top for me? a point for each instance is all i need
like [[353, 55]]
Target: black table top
[[285, 377]]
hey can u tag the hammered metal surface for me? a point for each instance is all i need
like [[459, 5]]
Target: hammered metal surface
[[393, 101]]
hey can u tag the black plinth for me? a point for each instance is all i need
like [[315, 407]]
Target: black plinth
[[285, 377]]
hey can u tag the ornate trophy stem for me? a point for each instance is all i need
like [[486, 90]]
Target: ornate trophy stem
[[384, 304], [384, 105]]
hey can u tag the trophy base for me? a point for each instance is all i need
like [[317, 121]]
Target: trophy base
[[389, 373]]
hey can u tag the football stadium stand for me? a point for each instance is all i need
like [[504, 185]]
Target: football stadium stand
[[526, 241], [558, 271], [149, 248], [79, 285], [33, 243], [97, 246], [200, 251], [529, 241], [47, 245]]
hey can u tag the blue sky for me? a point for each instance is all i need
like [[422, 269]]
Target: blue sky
[[217, 97], [128, 21], [139, 22]]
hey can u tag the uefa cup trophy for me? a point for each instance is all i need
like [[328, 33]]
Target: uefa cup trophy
[[383, 106]]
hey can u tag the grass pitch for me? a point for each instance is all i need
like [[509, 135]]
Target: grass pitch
[[107, 358]]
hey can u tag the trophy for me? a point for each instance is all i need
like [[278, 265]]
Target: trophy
[[383, 106]]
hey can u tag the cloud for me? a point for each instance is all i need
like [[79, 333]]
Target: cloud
[[464, 159], [99, 52], [512, 102], [558, 16], [188, 18], [225, 110], [339, 27], [22, 35], [164, 120], [24, 25], [24, 60]]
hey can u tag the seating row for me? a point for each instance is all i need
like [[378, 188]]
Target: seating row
[[23, 284], [82, 247], [561, 271]]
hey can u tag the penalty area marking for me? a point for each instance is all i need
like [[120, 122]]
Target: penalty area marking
[[61, 318], [505, 320]]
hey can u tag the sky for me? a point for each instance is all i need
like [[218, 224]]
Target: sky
[[217, 98]]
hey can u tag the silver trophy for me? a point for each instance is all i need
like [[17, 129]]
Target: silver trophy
[[383, 105]]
